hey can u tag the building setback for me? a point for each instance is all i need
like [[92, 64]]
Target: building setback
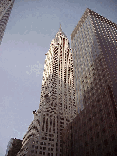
[[94, 131], [5, 10], [57, 103], [13, 147]]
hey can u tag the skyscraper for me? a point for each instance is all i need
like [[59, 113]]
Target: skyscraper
[[94, 131], [57, 103], [5, 10], [94, 49]]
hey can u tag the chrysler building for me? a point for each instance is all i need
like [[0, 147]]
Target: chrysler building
[[57, 102]]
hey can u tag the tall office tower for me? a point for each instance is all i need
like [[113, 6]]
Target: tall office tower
[[5, 10], [57, 102], [94, 131], [93, 43]]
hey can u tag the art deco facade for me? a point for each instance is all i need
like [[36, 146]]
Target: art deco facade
[[94, 131], [5, 10], [57, 103]]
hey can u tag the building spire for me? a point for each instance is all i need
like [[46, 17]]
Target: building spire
[[60, 28], [60, 32]]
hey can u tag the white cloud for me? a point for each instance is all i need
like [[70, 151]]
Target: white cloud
[[37, 68]]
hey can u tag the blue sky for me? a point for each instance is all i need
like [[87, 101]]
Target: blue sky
[[31, 27]]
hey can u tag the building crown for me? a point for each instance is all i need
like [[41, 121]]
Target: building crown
[[60, 31]]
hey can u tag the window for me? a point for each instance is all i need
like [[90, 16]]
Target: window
[[108, 114], [92, 150], [97, 134], [105, 142], [41, 143], [44, 148], [110, 125], [115, 150], [32, 151], [113, 137], [90, 119], [87, 153], [102, 119], [103, 130], [85, 133], [90, 128], [86, 143], [94, 114], [91, 139], [93, 106], [99, 146], [98, 100], [52, 145], [100, 110], [108, 154]]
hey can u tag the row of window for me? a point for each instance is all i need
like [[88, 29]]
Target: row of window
[[40, 152]]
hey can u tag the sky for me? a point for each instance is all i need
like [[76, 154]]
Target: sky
[[31, 27]]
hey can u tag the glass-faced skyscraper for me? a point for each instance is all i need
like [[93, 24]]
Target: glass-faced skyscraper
[[5, 10], [94, 48], [57, 103]]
